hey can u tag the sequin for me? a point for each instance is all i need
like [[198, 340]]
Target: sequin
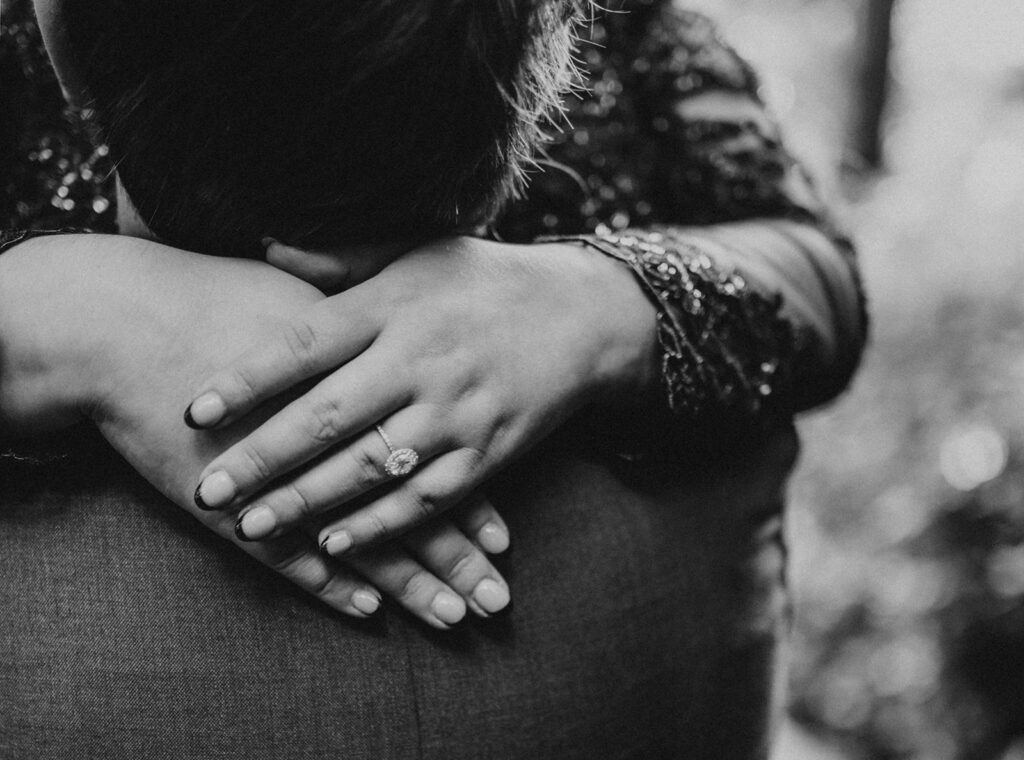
[[721, 347]]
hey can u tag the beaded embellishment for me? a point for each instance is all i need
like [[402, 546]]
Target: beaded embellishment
[[725, 348]]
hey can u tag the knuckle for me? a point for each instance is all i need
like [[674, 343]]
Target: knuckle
[[473, 458], [376, 528], [462, 564], [241, 385], [288, 563], [257, 462], [301, 505], [415, 585], [368, 472], [501, 429], [303, 341], [327, 416], [422, 506], [320, 584], [298, 566]]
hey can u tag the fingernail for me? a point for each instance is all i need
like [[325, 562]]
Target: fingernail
[[207, 410], [267, 242], [491, 596], [256, 523], [336, 543], [215, 491], [366, 602], [448, 608], [493, 538]]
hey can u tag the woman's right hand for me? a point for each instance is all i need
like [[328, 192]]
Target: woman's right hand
[[122, 329]]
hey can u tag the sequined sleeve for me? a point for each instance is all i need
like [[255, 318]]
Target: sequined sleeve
[[671, 145]]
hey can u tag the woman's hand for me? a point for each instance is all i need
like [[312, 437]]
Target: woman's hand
[[118, 329], [466, 352]]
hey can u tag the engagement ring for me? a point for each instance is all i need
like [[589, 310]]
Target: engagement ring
[[402, 461]]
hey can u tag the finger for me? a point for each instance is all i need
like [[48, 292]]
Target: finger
[[296, 558], [328, 414], [400, 576], [323, 337], [328, 271], [445, 551], [335, 270], [439, 485], [357, 467], [479, 520]]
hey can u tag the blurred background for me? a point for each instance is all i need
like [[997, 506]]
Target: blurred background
[[907, 519]]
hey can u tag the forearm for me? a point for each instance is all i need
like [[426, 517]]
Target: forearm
[[77, 310]]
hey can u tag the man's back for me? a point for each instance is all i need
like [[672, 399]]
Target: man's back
[[644, 625]]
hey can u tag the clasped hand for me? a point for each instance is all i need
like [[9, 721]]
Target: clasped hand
[[466, 352]]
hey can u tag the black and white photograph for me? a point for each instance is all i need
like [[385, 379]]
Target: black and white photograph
[[511, 380]]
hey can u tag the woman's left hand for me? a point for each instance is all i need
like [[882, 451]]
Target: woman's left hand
[[466, 352]]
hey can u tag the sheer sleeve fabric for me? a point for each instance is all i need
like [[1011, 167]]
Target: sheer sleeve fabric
[[671, 139]]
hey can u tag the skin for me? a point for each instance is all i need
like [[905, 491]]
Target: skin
[[467, 419], [467, 350], [135, 327], [139, 324]]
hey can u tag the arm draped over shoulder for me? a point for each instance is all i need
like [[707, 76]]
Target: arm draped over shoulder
[[668, 135], [671, 135]]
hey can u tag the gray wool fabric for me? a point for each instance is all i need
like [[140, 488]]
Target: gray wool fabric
[[645, 624]]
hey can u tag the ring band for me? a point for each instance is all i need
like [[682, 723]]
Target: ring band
[[401, 461]]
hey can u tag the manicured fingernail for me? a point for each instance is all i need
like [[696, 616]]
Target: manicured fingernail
[[448, 608], [207, 410], [366, 602], [491, 596], [493, 538], [215, 491], [336, 543], [256, 523]]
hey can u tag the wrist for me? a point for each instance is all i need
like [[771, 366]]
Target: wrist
[[43, 353], [621, 322]]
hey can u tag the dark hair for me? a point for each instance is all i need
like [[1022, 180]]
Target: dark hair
[[320, 122]]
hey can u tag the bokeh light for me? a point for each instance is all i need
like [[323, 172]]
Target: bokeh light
[[972, 456], [907, 516]]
